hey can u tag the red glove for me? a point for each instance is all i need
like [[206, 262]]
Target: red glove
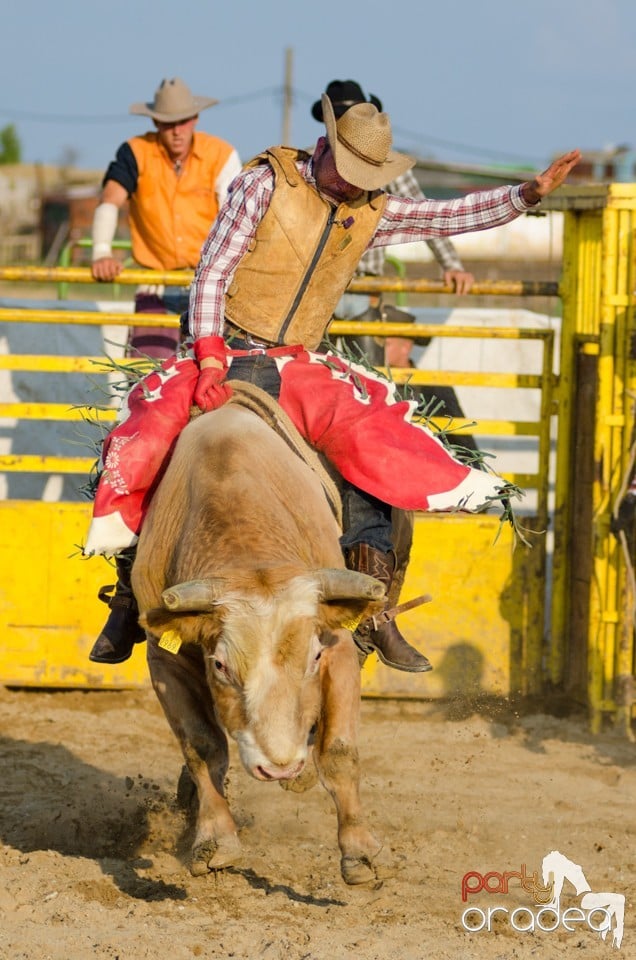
[[210, 391], [206, 347]]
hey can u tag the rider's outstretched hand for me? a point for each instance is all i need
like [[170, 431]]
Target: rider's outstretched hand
[[548, 181]]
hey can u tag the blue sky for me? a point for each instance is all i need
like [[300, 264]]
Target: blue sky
[[495, 81]]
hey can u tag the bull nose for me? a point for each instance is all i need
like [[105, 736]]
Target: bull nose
[[274, 772]]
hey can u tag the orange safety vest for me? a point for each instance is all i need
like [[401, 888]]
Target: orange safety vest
[[170, 215]]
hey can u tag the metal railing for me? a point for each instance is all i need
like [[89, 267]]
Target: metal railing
[[597, 295], [179, 278], [537, 431]]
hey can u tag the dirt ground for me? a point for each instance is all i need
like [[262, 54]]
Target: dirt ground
[[94, 856]]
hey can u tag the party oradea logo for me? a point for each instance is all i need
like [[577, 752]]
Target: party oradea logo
[[553, 908]]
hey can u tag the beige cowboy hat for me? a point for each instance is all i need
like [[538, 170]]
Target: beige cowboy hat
[[361, 145], [173, 102]]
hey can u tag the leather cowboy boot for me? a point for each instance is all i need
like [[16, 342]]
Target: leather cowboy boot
[[386, 640], [122, 630]]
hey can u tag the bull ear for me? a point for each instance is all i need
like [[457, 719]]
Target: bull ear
[[189, 626], [340, 584], [196, 595]]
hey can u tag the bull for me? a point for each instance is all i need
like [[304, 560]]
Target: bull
[[248, 612]]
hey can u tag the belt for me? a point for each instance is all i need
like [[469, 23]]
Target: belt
[[248, 346], [262, 351], [235, 333]]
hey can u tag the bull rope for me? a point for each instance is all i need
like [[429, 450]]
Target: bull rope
[[259, 402]]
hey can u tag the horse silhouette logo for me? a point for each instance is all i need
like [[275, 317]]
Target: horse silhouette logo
[[556, 869]]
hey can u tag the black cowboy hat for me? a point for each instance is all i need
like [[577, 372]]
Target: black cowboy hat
[[343, 94]]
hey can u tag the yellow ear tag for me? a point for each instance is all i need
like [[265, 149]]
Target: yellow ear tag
[[170, 641], [352, 624]]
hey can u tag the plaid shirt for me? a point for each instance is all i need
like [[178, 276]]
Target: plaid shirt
[[372, 262], [404, 220]]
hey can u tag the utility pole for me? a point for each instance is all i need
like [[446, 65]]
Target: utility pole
[[287, 98]]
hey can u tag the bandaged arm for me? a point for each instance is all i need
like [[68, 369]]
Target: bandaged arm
[[103, 231]]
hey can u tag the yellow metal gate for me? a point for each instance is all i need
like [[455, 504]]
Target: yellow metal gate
[[593, 599], [485, 629]]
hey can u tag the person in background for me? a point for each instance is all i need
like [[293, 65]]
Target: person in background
[[623, 520], [343, 95], [175, 180], [439, 400], [278, 258]]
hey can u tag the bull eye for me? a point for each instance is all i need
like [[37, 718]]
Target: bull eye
[[220, 669]]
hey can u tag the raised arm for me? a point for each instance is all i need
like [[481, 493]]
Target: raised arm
[[548, 181], [406, 220], [442, 248]]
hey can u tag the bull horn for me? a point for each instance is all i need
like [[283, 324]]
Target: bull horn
[[337, 584], [198, 595]]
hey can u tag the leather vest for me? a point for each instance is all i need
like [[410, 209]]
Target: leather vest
[[301, 258], [170, 215]]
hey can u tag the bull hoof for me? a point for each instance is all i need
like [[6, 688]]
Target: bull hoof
[[359, 870], [356, 871], [384, 865], [215, 855], [307, 779]]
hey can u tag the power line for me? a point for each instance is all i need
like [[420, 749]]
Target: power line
[[118, 117], [464, 148], [255, 95], [424, 140], [59, 117], [420, 140]]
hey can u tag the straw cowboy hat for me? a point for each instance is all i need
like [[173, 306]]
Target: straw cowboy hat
[[361, 145], [343, 94], [173, 102]]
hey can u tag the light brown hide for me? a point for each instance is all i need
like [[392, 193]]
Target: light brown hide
[[235, 503]]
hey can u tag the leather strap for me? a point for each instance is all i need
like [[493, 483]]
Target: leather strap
[[266, 352], [231, 331], [104, 593], [375, 622], [387, 615], [117, 599]]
